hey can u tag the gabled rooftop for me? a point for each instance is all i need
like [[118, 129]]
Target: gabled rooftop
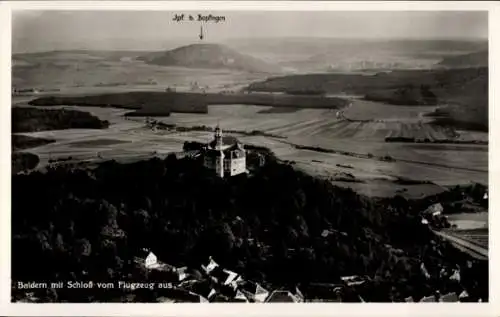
[[282, 297]]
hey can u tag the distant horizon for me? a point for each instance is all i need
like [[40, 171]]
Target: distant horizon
[[39, 31], [178, 42]]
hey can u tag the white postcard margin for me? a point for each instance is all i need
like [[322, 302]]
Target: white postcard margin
[[367, 309]]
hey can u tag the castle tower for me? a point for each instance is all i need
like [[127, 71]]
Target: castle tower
[[221, 164], [218, 138], [225, 155], [219, 147]]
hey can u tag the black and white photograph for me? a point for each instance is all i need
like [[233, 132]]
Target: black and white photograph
[[249, 156]]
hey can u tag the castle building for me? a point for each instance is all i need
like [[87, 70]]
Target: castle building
[[225, 155]]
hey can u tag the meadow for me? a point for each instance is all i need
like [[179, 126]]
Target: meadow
[[354, 135], [87, 74], [351, 152]]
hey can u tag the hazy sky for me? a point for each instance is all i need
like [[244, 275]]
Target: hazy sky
[[48, 30]]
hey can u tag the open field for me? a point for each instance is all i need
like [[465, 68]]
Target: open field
[[463, 93], [471, 231], [351, 139], [97, 143], [380, 122], [478, 250], [81, 73], [363, 110], [361, 120], [470, 221], [352, 159], [85, 74], [478, 236], [365, 168]]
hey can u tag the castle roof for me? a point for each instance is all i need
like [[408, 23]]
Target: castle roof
[[227, 140], [213, 153], [234, 151]]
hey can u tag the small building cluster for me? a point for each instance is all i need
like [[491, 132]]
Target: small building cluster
[[18, 92], [451, 297], [214, 283], [195, 87], [434, 217]]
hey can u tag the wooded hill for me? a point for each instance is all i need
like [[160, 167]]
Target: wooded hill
[[269, 226], [464, 90], [29, 119]]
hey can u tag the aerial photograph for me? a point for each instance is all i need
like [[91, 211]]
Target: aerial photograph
[[249, 156]]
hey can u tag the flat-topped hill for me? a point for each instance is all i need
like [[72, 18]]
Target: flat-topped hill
[[208, 56]]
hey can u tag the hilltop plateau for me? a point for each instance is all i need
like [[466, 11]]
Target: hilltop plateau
[[208, 56]]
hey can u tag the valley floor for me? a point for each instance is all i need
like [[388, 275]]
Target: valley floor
[[348, 152]]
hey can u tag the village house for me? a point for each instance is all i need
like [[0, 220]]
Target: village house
[[253, 291], [150, 262], [223, 285]]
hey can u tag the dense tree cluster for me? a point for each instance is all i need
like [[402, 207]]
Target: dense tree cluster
[[21, 161], [276, 226], [463, 90], [315, 91], [20, 142], [156, 103], [406, 95], [28, 119]]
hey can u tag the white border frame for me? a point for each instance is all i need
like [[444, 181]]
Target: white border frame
[[390, 309]]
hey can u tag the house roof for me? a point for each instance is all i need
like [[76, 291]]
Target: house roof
[[434, 209], [353, 280], [282, 297], [200, 288], [210, 266], [236, 148], [428, 299], [240, 297], [223, 276], [249, 286], [449, 298], [219, 298]]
